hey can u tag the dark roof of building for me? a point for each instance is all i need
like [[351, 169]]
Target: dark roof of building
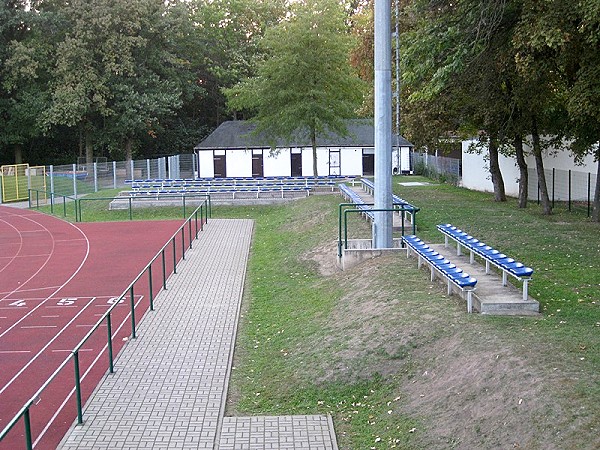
[[237, 134]]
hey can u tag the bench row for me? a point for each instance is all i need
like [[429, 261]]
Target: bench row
[[217, 190], [369, 186], [440, 265], [491, 256]]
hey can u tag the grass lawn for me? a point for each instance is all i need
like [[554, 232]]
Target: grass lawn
[[394, 360]]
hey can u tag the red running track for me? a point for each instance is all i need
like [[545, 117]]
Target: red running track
[[56, 281]]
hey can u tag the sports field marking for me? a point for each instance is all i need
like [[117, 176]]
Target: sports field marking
[[85, 374], [20, 233], [20, 244], [8, 352], [33, 327], [87, 252], [12, 380]]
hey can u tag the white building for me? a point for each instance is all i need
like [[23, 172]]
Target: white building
[[476, 174], [232, 151]]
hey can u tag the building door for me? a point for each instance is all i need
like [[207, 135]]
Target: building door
[[257, 164], [368, 161], [334, 162], [296, 156], [220, 164]]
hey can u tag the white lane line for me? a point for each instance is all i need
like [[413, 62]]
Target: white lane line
[[100, 354], [87, 252], [56, 336], [8, 352], [33, 327]]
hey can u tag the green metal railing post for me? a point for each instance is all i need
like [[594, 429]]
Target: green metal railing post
[[196, 223], [111, 366], [569, 189], [130, 209], [340, 226], [190, 232], [28, 439], [174, 257], [132, 304], [164, 269], [64, 206], [150, 287], [589, 184], [183, 243], [183, 198], [78, 387], [52, 202], [201, 217]]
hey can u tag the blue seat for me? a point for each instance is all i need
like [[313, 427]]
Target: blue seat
[[438, 263], [489, 254]]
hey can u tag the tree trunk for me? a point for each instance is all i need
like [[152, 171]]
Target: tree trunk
[[523, 175], [128, 158], [313, 142], [89, 150], [499, 192], [539, 167], [18, 148], [596, 208]]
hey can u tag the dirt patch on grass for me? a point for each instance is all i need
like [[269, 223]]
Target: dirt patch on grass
[[471, 385]]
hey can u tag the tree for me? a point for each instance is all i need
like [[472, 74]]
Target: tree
[[116, 67], [306, 83]]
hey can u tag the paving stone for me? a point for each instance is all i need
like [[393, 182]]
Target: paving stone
[[170, 383]]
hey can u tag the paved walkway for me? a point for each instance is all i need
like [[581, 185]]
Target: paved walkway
[[170, 384]]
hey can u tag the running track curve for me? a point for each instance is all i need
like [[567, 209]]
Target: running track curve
[[56, 281]]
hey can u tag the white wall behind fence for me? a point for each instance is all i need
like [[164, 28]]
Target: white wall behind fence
[[476, 174]]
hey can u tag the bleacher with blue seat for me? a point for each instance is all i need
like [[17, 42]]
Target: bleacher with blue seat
[[353, 197], [439, 264], [507, 265]]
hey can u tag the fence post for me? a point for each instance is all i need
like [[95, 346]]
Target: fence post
[[114, 164], [150, 287], [78, 388], [148, 169], [569, 189], [111, 366], [51, 178], [174, 256], [553, 184], [75, 180], [28, 439], [132, 305], [588, 193], [95, 177], [164, 270]]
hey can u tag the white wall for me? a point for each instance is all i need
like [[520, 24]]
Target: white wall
[[206, 167], [279, 165], [476, 175], [239, 163], [351, 161]]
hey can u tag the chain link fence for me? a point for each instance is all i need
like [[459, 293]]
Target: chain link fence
[[81, 178], [569, 188], [440, 168]]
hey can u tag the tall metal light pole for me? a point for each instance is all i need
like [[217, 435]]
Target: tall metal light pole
[[382, 225]]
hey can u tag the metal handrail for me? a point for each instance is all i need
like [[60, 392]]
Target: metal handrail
[[78, 209], [24, 411], [397, 208]]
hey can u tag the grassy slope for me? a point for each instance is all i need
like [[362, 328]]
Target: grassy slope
[[396, 362], [353, 344]]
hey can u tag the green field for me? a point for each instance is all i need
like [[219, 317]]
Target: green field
[[393, 359], [396, 362]]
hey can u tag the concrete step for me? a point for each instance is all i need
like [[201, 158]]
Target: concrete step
[[490, 297]]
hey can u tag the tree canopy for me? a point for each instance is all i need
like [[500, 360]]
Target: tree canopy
[[305, 83]]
